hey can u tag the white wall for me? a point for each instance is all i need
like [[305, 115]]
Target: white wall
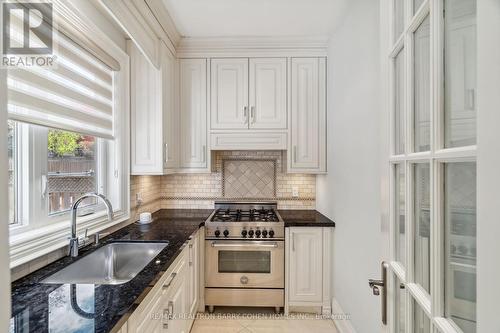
[[350, 192]]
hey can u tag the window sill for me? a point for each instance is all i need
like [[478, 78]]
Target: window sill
[[32, 244]]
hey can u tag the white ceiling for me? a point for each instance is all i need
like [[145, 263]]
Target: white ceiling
[[216, 18]]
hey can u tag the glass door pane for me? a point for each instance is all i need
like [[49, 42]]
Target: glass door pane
[[460, 73], [400, 307], [421, 220], [399, 108], [421, 86], [421, 323], [399, 217], [399, 18], [245, 262], [460, 251], [416, 5]]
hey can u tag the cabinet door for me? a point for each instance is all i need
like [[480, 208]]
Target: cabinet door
[[307, 151], [146, 117], [229, 98], [194, 263], [193, 113], [268, 86], [177, 304], [305, 264], [170, 110], [150, 319]]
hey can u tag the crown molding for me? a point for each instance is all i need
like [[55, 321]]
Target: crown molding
[[252, 46], [164, 19]]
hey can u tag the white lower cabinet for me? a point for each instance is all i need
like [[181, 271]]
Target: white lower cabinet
[[172, 303], [194, 274], [308, 265]]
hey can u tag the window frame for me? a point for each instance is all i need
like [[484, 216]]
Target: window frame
[[28, 243]]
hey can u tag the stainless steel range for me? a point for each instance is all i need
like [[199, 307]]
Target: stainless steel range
[[244, 251]]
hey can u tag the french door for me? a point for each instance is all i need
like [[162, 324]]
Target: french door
[[432, 162]]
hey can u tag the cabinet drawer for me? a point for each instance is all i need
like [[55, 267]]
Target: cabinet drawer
[[248, 141]]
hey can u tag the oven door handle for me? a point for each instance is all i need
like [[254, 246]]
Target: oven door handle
[[246, 244]]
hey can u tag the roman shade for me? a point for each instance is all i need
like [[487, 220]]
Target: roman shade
[[76, 94]]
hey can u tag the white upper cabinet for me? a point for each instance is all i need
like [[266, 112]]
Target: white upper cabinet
[[307, 149], [248, 93], [229, 87], [268, 93], [146, 115], [154, 113], [193, 114], [170, 77]]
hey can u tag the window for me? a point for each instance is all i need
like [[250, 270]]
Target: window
[[68, 135], [400, 247], [72, 165], [11, 150], [67, 165]]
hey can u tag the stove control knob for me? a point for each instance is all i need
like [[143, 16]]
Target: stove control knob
[[243, 233], [250, 233], [271, 233], [257, 233], [264, 233], [217, 233], [226, 233]]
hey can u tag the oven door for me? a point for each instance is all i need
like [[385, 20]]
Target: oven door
[[244, 264]]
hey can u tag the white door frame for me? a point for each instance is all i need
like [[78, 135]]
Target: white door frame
[[4, 226], [488, 165]]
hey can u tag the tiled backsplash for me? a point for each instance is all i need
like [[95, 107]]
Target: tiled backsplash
[[248, 172]]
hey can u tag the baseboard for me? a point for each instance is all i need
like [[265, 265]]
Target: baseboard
[[340, 318]]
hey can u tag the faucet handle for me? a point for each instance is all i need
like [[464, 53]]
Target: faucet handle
[[98, 236], [85, 238]]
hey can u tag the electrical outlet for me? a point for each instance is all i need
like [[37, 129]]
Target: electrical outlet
[[138, 199], [295, 192]]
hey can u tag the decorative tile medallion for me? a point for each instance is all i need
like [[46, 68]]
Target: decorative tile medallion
[[248, 178]]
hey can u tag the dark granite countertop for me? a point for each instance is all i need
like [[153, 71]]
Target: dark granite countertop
[[305, 218], [38, 307]]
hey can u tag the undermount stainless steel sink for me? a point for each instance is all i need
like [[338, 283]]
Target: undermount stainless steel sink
[[115, 263]]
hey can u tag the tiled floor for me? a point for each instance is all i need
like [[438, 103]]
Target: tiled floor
[[250, 321]]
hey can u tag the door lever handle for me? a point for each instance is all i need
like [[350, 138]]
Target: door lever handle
[[376, 286]]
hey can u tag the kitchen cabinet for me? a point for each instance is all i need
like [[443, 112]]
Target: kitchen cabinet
[[248, 93], [194, 274], [193, 115], [307, 148], [268, 93], [229, 88], [173, 301], [154, 116], [308, 264]]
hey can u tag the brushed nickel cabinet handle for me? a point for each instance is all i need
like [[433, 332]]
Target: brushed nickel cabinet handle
[[166, 153], [252, 114], [172, 277], [245, 114]]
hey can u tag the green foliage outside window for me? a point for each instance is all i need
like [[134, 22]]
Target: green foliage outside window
[[62, 143]]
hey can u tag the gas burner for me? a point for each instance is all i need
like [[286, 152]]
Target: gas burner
[[245, 221]]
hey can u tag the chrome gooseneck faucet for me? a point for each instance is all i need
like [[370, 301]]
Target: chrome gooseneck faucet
[[73, 241]]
